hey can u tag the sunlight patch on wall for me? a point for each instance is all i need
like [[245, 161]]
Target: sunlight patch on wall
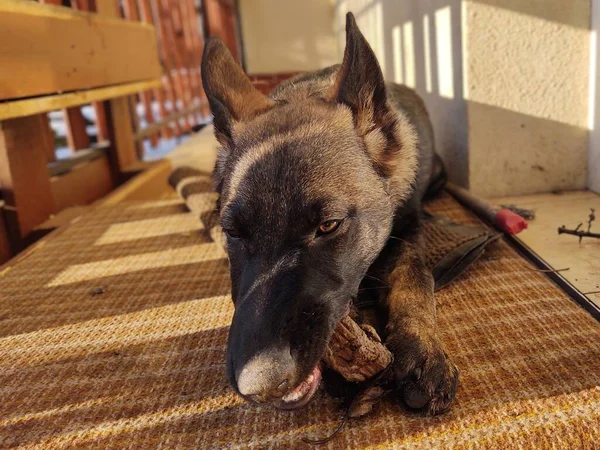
[[379, 35], [409, 54], [397, 48], [427, 55], [443, 28]]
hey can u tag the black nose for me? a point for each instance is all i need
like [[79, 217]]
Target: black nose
[[266, 376]]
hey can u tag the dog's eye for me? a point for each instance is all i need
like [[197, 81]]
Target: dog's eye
[[232, 234], [328, 227]]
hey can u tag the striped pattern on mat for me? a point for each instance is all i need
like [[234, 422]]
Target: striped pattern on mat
[[112, 335]]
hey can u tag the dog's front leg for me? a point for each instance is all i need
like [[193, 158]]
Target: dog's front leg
[[425, 375]]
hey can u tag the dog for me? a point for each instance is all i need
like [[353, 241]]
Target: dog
[[320, 187]]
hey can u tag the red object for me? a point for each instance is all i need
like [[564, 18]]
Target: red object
[[509, 222]]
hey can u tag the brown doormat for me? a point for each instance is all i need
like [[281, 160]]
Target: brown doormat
[[112, 335]]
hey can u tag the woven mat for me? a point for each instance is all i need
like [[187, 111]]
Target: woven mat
[[113, 335]]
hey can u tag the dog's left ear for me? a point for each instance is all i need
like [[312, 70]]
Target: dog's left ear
[[360, 86], [230, 93]]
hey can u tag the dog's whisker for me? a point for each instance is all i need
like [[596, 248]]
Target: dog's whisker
[[377, 279], [398, 239], [373, 288]]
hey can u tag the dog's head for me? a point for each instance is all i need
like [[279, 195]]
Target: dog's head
[[308, 184]]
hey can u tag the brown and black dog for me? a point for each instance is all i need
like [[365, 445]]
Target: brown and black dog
[[320, 189]]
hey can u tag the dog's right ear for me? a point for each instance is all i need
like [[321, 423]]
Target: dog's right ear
[[230, 93]]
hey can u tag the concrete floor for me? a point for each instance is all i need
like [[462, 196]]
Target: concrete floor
[[564, 251]]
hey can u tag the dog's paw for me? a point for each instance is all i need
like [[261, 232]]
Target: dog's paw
[[425, 376]]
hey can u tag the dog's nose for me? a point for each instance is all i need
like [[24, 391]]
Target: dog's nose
[[267, 375]]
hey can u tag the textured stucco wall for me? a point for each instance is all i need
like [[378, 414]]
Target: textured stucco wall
[[594, 154], [526, 74], [288, 35]]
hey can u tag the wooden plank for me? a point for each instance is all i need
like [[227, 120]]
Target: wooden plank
[[83, 185], [150, 184], [154, 128], [564, 251], [85, 155], [77, 137], [65, 217], [23, 176], [46, 49], [121, 134], [120, 126], [28, 107], [48, 137]]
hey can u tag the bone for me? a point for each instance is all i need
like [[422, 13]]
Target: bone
[[356, 352]]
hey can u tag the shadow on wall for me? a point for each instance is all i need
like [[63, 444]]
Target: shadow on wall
[[419, 44]]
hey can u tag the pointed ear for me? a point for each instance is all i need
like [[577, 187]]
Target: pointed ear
[[360, 83], [230, 93], [360, 86]]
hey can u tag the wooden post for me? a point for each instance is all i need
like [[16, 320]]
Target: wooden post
[[220, 21], [48, 136], [24, 180], [147, 17], [120, 128], [77, 136]]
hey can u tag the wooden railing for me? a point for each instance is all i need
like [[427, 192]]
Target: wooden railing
[[136, 62]]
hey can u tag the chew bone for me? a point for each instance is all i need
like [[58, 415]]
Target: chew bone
[[356, 352]]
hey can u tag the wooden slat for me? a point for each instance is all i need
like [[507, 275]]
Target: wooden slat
[[155, 127], [121, 134], [23, 176], [83, 185], [151, 183], [47, 49], [28, 107], [77, 137], [48, 137], [65, 165], [147, 17], [120, 126]]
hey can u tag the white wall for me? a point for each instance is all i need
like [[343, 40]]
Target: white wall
[[594, 148], [287, 35], [526, 77]]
